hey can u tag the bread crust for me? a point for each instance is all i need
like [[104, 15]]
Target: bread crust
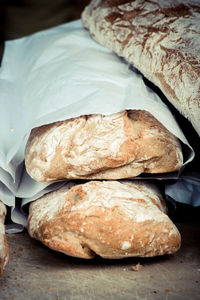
[[113, 219], [160, 38], [4, 250], [116, 146]]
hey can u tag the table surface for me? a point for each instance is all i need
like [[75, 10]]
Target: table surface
[[36, 272]]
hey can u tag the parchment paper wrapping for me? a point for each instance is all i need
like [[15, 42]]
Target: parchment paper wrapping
[[58, 74]]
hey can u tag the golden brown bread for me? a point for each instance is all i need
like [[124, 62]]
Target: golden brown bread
[[121, 145], [160, 38], [4, 251], [114, 219]]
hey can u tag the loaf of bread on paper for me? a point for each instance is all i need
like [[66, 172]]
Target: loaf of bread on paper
[[4, 251], [116, 146], [113, 219], [160, 38]]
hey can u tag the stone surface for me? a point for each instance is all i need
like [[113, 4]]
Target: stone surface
[[36, 272]]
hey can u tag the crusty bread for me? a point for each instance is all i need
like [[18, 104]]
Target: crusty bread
[[4, 251], [114, 219], [160, 38], [121, 145]]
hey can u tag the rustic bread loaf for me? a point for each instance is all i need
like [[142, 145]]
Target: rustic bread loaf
[[121, 145], [4, 251], [114, 219], [160, 38]]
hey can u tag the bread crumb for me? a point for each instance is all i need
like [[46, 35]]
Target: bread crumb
[[136, 267]]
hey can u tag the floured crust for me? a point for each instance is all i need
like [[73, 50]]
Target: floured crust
[[4, 251], [160, 38], [116, 146], [114, 219]]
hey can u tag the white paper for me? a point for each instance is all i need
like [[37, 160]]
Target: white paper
[[58, 74], [185, 190]]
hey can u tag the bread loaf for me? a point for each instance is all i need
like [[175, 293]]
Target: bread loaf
[[160, 38], [121, 145], [4, 251], [114, 219]]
